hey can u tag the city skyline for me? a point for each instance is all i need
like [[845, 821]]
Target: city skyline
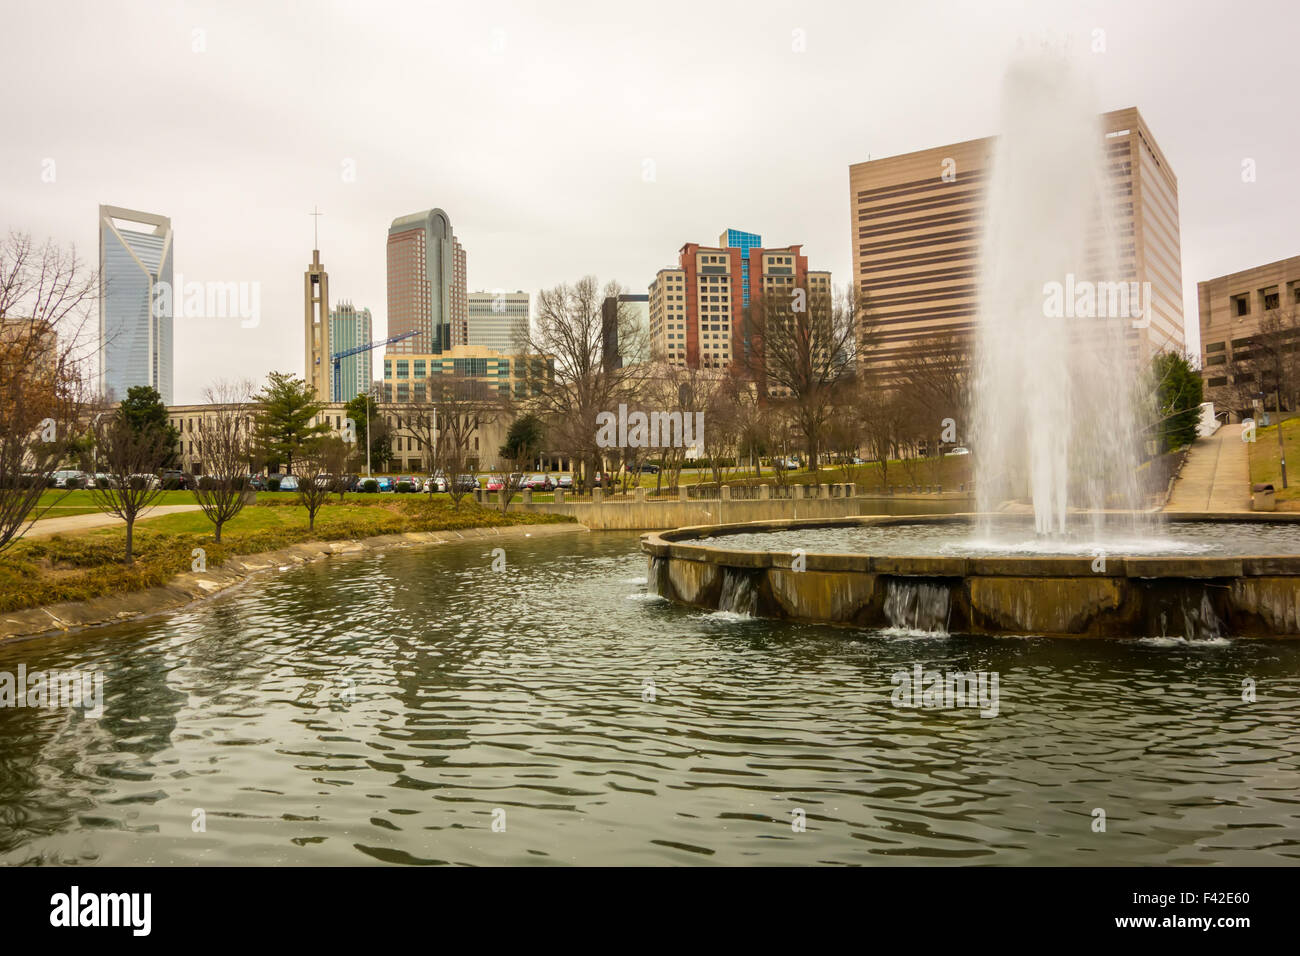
[[627, 197]]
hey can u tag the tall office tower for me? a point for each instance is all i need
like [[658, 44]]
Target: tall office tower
[[697, 310], [917, 231], [494, 318], [426, 284], [459, 296], [136, 302], [316, 328], [350, 328], [744, 241]]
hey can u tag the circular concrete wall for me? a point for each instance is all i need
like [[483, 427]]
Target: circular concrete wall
[[1178, 596]]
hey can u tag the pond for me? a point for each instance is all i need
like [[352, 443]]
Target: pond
[[422, 707]]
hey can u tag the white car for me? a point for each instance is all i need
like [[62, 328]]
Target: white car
[[960, 451], [61, 478], [288, 483], [436, 483]]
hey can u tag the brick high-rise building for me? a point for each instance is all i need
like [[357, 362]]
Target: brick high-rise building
[[697, 310], [918, 228], [426, 284]]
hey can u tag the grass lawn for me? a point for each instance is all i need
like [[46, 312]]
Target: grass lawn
[[1266, 465], [90, 563], [62, 504]]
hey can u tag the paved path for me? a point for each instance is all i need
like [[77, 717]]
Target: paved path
[[49, 526], [1216, 475]]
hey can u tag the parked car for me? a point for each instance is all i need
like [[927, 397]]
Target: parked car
[[407, 484], [288, 483], [539, 483], [960, 451], [385, 483], [496, 483], [173, 479], [144, 481], [564, 481], [60, 479], [101, 479], [435, 483], [257, 482], [466, 483], [648, 469]]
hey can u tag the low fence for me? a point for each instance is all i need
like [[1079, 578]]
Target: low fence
[[640, 511]]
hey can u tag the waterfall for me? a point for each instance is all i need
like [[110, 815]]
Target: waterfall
[[1200, 622], [739, 594], [657, 577], [1184, 610], [918, 606]]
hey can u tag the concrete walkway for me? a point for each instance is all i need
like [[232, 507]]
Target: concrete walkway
[[73, 523], [1216, 475]]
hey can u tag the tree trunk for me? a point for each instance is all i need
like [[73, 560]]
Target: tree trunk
[[130, 528], [218, 533]]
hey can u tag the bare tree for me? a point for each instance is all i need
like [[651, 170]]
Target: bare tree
[[46, 294], [314, 482], [453, 413], [224, 441], [129, 456], [804, 345], [594, 369]]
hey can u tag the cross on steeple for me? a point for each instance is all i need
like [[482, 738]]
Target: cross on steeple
[[315, 226]]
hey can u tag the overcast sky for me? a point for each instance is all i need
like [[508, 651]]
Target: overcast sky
[[568, 138]]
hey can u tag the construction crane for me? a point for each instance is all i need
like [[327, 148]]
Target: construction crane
[[338, 358]]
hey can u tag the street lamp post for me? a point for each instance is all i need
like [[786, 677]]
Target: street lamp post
[[1281, 446]]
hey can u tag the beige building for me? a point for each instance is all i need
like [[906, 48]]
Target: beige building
[[316, 327], [917, 224], [410, 456], [1233, 308]]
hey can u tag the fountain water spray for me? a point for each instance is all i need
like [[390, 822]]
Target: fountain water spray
[[1054, 388]]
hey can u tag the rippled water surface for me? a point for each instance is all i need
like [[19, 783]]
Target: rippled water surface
[[388, 709]]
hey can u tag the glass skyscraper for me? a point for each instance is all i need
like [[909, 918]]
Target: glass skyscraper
[[350, 328], [136, 302]]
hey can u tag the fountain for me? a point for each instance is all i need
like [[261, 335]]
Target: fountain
[[1054, 382], [1055, 433]]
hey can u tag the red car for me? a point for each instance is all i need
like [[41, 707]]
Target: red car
[[496, 483]]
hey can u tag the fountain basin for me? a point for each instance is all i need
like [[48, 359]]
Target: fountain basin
[[1194, 596]]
